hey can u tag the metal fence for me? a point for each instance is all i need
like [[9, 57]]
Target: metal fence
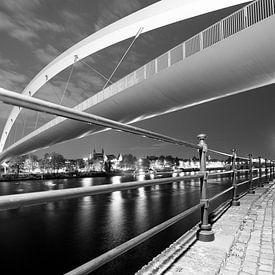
[[258, 172]]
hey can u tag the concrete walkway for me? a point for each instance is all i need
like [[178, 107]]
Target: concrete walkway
[[244, 243]]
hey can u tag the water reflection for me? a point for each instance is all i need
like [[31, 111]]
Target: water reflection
[[116, 179], [86, 182], [141, 177], [77, 230]]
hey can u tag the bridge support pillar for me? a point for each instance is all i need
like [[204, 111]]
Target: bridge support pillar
[[205, 233]]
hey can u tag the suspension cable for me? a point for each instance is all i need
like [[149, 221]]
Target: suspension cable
[[137, 35], [95, 70], [55, 92], [36, 122], [72, 68], [23, 130], [15, 129]]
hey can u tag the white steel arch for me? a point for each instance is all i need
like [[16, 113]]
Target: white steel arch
[[152, 17]]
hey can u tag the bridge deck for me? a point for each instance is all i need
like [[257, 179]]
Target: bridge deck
[[244, 242]]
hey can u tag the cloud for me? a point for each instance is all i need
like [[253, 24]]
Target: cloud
[[20, 5], [89, 81], [76, 28], [47, 54], [111, 11], [4, 112], [21, 23], [12, 80], [7, 63]]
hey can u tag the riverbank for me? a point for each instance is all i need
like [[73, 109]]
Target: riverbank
[[244, 242], [47, 176]]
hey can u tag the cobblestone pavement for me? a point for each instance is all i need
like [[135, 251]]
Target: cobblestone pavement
[[253, 249], [244, 241]]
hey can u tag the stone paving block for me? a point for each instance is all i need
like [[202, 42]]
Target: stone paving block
[[244, 241], [251, 258], [230, 272], [249, 269], [266, 251], [252, 253], [265, 267], [233, 267], [263, 273], [266, 256], [266, 261]]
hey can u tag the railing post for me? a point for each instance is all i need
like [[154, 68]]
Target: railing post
[[270, 171], [235, 201], [260, 172], [250, 191], [266, 172], [205, 233], [238, 165]]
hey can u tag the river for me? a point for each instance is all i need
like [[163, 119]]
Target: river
[[56, 237]]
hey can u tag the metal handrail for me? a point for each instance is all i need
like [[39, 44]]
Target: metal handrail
[[117, 251], [242, 183], [220, 173], [55, 109], [36, 198], [221, 193]]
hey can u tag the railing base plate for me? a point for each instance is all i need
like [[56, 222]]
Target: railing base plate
[[206, 236], [235, 203]]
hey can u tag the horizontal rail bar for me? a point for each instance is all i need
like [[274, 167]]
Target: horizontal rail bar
[[243, 194], [242, 183], [243, 158], [222, 193], [217, 213], [36, 104], [220, 173], [36, 198], [117, 251], [168, 256], [220, 153], [243, 170]]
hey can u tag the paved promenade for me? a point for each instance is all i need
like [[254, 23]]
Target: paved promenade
[[244, 243]]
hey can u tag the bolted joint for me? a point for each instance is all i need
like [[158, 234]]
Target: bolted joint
[[205, 175], [205, 202], [202, 144]]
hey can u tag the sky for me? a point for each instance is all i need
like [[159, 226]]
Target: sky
[[34, 32]]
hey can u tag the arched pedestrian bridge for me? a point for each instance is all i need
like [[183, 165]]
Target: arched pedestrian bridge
[[232, 56]]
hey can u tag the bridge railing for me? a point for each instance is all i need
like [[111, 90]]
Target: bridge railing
[[257, 11], [230, 25], [249, 177]]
